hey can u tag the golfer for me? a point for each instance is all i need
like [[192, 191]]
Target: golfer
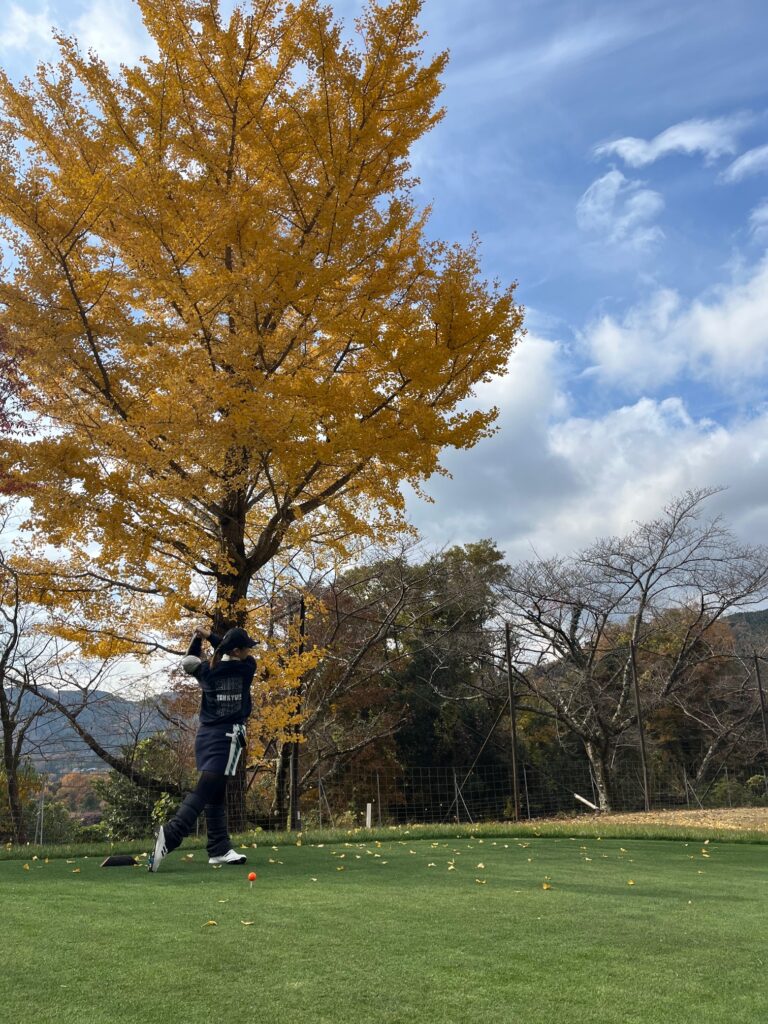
[[225, 683]]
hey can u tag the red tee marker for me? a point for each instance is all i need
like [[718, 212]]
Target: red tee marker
[[252, 878]]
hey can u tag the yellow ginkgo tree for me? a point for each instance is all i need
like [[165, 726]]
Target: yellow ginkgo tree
[[233, 335]]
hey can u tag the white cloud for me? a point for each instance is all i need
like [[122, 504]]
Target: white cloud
[[632, 460], [621, 210], [26, 30], [758, 221], [713, 138], [754, 161], [550, 482], [722, 338], [114, 31], [514, 68]]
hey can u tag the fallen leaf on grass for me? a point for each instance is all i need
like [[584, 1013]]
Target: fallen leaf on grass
[[223, 901], [481, 866], [26, 867], [75, 871], [481, 881], [208, 924], [545, 885], [247, 922], [631, 881]]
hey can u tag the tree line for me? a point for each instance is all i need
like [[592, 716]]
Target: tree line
[[623, 655]]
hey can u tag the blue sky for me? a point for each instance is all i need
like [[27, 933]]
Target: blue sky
[[613, 158]]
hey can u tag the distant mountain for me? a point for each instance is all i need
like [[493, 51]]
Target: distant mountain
[[54, 747], [750, 630]]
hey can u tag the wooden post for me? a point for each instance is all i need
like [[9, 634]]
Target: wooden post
[[512, 722]]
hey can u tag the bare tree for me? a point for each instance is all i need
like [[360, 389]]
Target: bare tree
[[23, 658], [625, 621]]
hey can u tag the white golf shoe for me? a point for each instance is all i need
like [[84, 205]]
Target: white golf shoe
[[230, 857], [160, 851]]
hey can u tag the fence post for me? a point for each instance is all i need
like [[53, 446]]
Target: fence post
[[727, 787], [378, 796], [456, 796], [41, 813], [527, 799], [685, 783], [512, 721]]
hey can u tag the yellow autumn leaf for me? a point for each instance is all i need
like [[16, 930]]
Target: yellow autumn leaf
[[208, 924], [247, 922], [481, 866], [26, 867], [75, 871], [631, 881], [481, 881], [545, 885]]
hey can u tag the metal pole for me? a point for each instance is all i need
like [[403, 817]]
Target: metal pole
[[512, 722], [456, 795], [762, 701], [294, 814], [527, 798], [640, 729], [42, 813]]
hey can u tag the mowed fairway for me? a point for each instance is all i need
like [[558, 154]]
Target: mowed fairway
[[370, 932]]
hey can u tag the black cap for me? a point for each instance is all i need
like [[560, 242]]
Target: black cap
[[235, 638]]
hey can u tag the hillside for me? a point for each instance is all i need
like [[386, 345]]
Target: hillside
[[750, 630], [54, 747]]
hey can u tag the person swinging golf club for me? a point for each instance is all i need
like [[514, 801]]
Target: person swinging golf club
[[225, 685]]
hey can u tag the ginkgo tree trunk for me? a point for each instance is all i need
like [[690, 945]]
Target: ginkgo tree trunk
[[233, 332]]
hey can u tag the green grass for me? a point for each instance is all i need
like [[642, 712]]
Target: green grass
[[389, 939], [589, 827]]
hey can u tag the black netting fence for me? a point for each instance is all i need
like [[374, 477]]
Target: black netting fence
[[70, 799]]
